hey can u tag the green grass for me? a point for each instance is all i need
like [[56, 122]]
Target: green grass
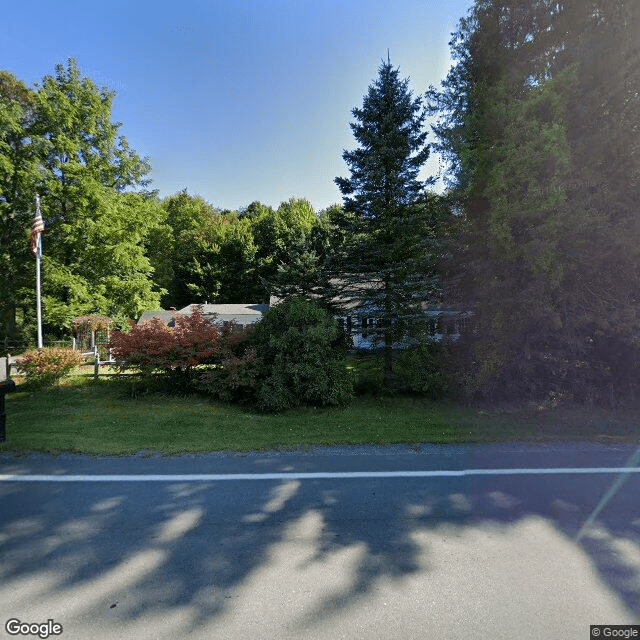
[[102, 418]]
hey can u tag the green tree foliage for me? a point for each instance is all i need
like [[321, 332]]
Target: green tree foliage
[[185, 215], [62, 144], [283, 239], [301, 358], [100, 265], [303, 266], [386, 258], [18, 176], [537, 119], [205, 254]]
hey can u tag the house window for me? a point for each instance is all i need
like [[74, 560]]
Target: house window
[[367, 323]]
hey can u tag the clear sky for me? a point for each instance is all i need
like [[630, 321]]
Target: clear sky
[[235, 100]]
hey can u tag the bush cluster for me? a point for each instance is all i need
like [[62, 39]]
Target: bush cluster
[[421, 369], [47, 366], [295, 356], [303, 357], [603, 371], [152, 347], [234, 380]]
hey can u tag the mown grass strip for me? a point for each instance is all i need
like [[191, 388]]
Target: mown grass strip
[[102, 418]]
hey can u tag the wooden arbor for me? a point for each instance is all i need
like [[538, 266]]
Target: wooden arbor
[[90, 331]]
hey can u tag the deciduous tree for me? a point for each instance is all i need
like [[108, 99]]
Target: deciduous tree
[[18, 176], [59, 140]]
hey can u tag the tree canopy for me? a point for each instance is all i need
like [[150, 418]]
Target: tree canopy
[[537, 119], [385, 263], [18, 176], [58, 140]]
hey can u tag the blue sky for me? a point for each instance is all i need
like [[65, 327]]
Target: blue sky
[[235, 100]]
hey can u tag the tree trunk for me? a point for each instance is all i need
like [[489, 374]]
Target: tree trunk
[[388, 338]]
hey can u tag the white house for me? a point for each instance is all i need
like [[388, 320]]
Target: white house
[[358, 318]]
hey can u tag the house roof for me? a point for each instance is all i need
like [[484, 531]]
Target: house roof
[[241, 319], [228, 309], [243, 314], [168, 317], [348, 295]]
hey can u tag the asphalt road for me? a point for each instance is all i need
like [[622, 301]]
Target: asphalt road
[[295, 545]]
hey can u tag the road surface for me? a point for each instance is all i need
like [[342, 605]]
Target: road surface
[[434, 542]]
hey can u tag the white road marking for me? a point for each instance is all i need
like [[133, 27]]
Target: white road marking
[[618, 482], [319, 475]]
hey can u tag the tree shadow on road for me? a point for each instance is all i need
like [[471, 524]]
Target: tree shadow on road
[[183, 557]]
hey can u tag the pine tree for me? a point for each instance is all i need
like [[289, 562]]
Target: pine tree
[[385, 266], [539, 121]]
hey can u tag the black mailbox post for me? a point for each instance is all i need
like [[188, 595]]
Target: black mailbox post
[[6, 386]]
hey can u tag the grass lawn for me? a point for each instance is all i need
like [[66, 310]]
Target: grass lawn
[[101, 417]]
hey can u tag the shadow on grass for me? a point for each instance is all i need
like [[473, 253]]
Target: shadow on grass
[[302, 558]]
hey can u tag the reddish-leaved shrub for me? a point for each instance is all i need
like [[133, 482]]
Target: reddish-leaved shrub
[[47, 366], [235, 380], [153, 347]]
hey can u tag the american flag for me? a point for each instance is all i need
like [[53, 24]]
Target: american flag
[[36, 228]]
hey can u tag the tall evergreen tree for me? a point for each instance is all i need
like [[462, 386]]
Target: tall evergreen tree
[[538, 120], [386, 262]]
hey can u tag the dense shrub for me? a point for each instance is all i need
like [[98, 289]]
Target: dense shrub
[[421, 369], [294, 356], [235, 380], [599, 370], [368, 374], [47, 366], [300, 358], [153, 347], [593, 375]]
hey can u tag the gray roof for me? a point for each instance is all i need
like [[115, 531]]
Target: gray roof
[[168, 317], [241, 319], [229, 309], [243, 314]]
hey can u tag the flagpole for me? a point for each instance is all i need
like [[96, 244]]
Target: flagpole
[[38, 260]]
